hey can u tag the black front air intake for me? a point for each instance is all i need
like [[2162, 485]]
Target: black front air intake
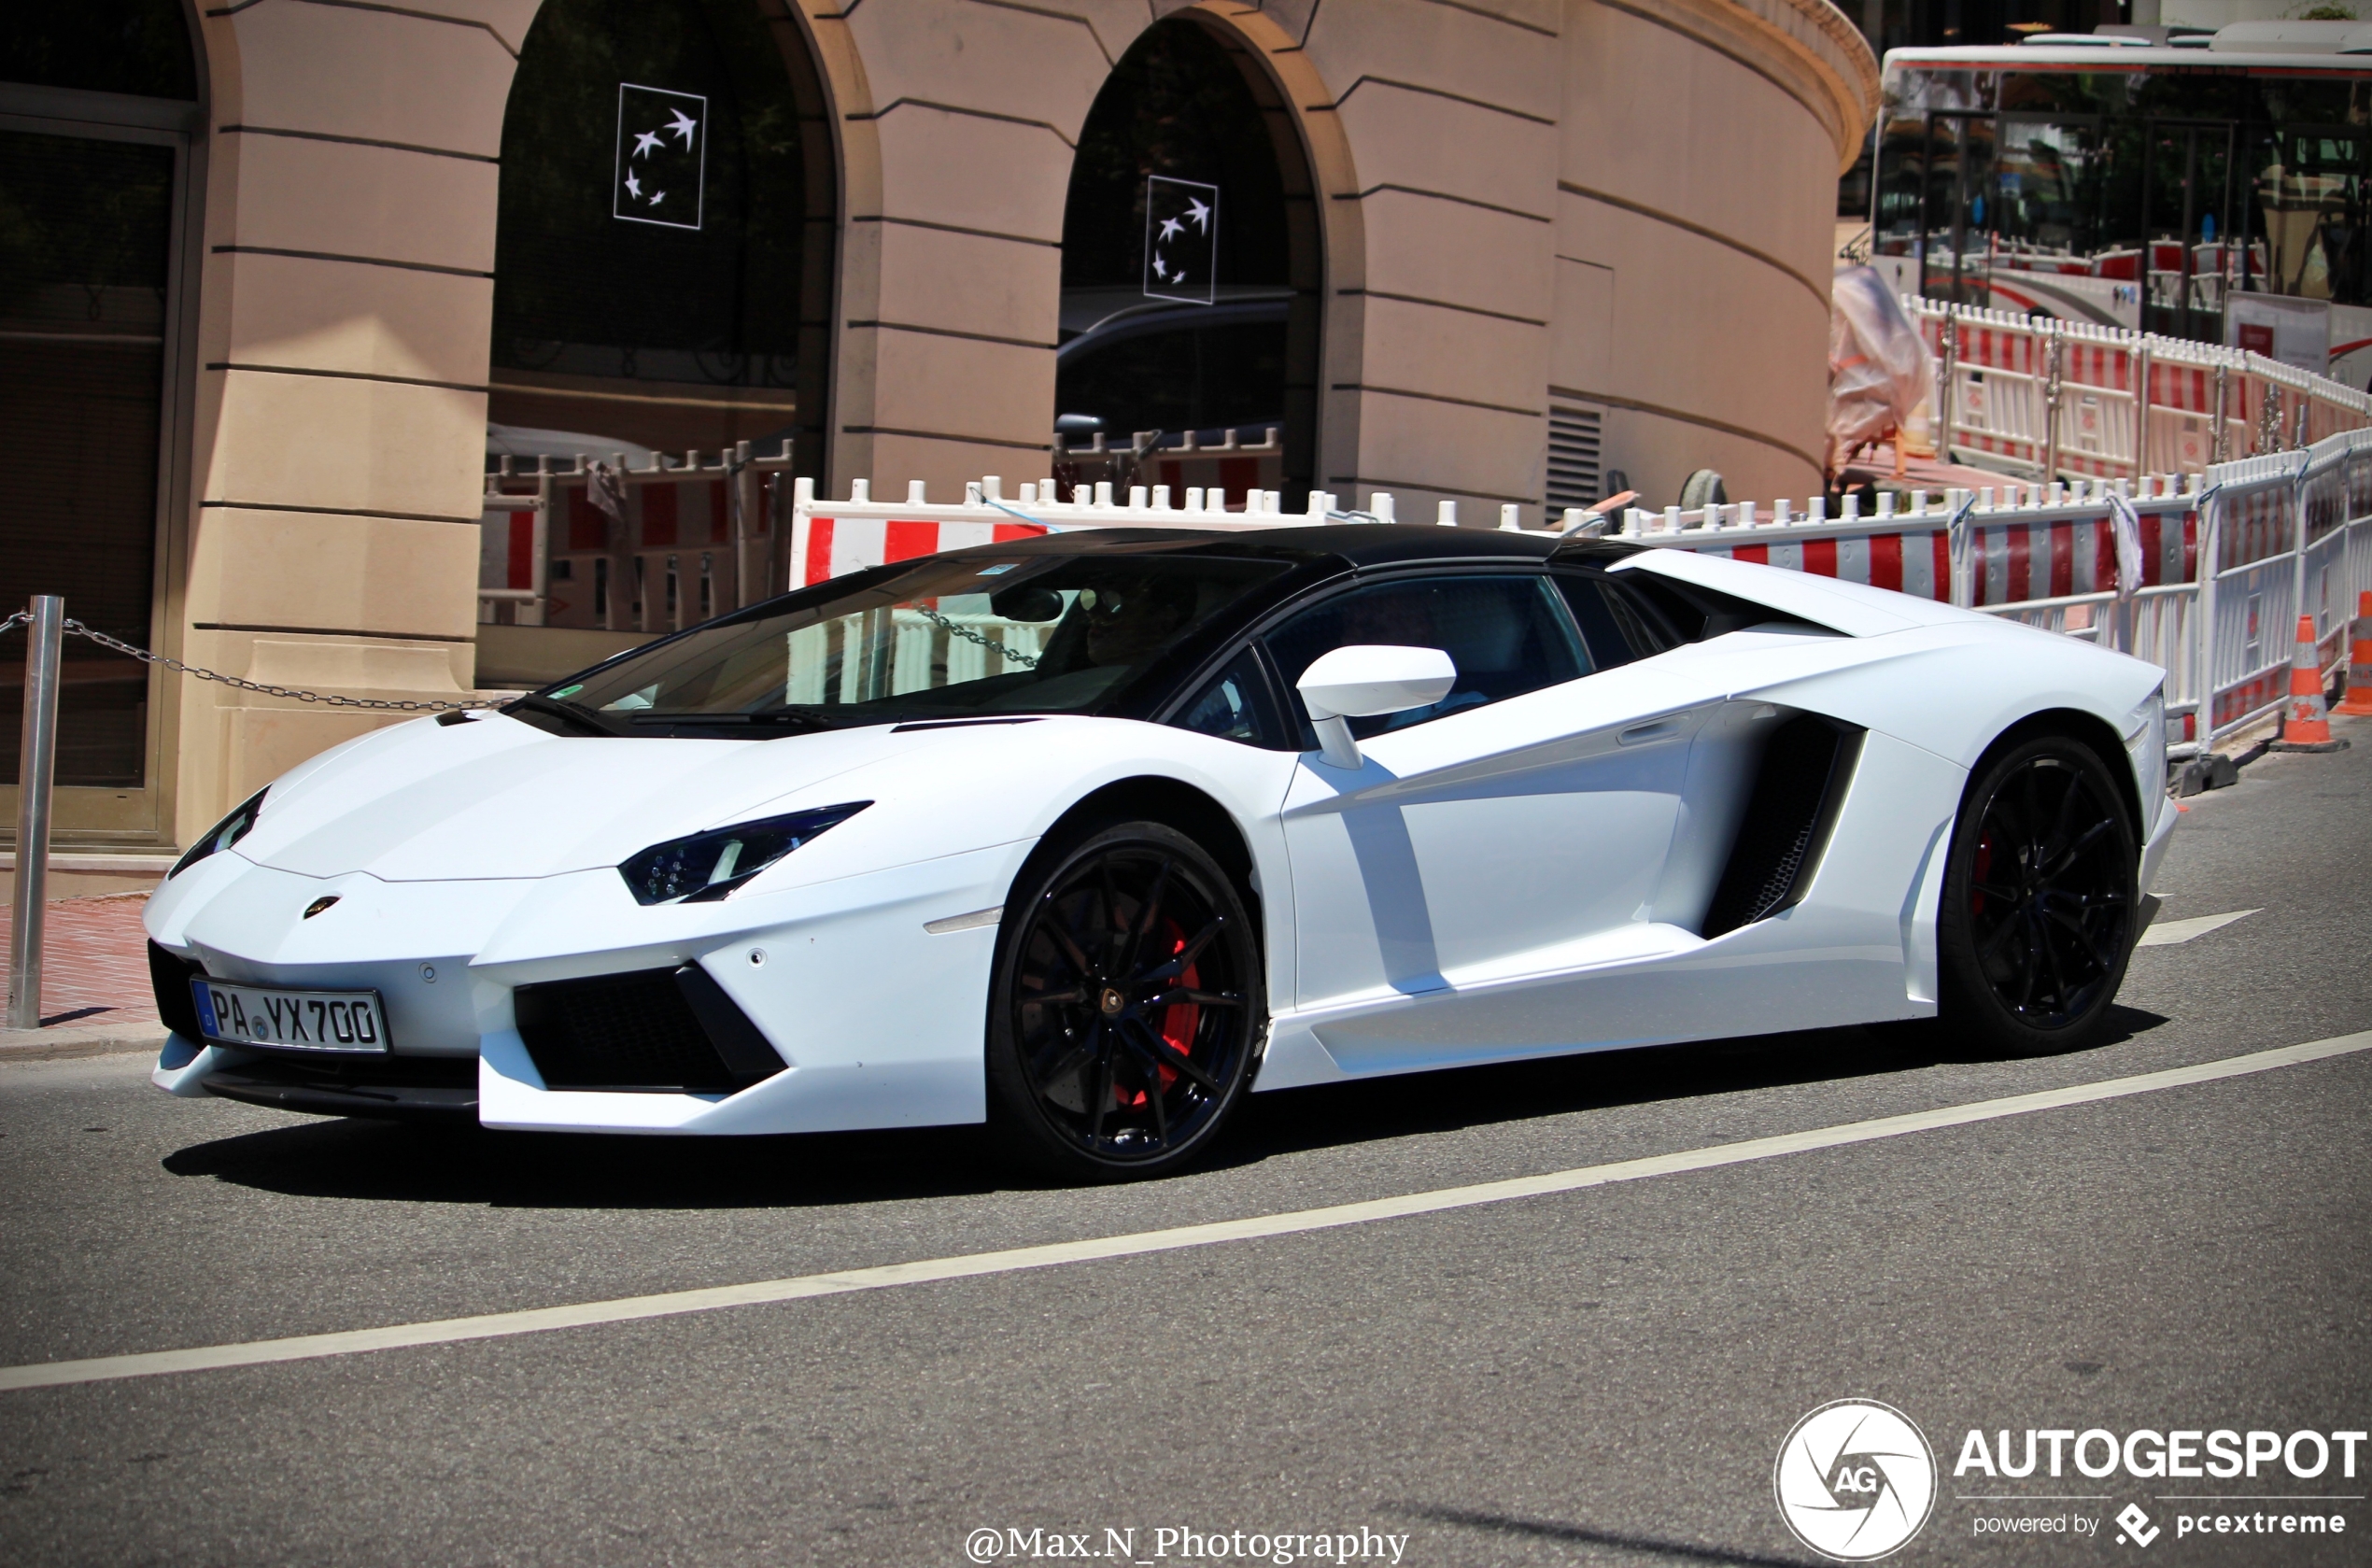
[[1798, 790], [671, 1031], [169, 977]]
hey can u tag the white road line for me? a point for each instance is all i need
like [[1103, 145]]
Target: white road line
[[495, 1325], [2165, 933]]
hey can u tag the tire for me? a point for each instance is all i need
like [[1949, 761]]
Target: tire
[[2039, 900], [1107, 1060]]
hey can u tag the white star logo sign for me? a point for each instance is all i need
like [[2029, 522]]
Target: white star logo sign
[[661, 151], [1181, 239]]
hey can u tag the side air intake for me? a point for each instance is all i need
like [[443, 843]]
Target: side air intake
[[1799, 787], [670, 1031]]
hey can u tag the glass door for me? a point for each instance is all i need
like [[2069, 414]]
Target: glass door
[[94, 249], [2190, 250], [1957, 170]]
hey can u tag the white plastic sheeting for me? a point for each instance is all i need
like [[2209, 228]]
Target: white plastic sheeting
[[1878, 364]]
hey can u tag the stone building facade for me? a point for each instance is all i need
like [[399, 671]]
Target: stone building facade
[[1496, 222]]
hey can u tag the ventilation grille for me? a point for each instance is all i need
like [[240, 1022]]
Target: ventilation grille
[[1796, 791], [656, 1030], [169, 977], [1575, 466]]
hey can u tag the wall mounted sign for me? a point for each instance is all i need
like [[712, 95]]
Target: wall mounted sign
[[1181, 239], [662, 154]]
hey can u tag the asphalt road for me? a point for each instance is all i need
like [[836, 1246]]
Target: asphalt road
[[1596, 1376]]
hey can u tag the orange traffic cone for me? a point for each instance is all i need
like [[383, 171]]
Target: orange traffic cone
[[2359, 696], [2304, 724]]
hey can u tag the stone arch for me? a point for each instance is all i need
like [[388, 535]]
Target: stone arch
[[1200, 96], [694, 325]]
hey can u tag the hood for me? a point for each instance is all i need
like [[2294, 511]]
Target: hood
[[497, 799]]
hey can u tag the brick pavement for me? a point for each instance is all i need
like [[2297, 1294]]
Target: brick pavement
[[94, 962]]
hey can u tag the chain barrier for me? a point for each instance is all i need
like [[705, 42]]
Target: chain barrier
[[1028, 661], [77, 628]]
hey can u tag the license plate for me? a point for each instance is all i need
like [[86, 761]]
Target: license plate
[[293, 1020]]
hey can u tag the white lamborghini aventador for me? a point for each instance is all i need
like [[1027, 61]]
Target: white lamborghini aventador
[[1088, 836]]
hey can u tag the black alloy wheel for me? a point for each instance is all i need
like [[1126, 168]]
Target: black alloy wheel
[[1127, 1005], [2039, 900]]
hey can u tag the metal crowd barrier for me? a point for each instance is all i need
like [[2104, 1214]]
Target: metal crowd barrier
[[2221, 561], [2044, 555], [633, 549], [2059, 398], [2229, 561]]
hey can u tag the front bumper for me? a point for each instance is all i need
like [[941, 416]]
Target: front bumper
[[437, 1088], [830, 1007], [2153, 852]]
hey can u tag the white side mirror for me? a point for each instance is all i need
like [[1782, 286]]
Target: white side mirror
[[1365, 680]]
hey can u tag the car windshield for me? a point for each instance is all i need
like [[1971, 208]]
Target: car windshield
[[948, 637]]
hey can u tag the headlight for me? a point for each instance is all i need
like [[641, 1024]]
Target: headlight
[[223, 834], [709, 866]]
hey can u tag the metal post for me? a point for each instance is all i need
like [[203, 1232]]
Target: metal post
[[539, 549], [744, 480], [2203, 680], [2215, 448], [619, 536], [36, 762], [2051, 363], [2297, 543], [1951, 375], [2141, 410]]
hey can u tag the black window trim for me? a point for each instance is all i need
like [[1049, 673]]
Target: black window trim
[[1287, 702]]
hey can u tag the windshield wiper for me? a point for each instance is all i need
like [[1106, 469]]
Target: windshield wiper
[[569, 714]]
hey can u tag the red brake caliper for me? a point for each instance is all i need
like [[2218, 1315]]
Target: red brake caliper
[[1180, 1021], [1983, 871]]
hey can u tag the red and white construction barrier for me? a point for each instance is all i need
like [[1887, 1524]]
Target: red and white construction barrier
[[2065, 399], [833, 538]]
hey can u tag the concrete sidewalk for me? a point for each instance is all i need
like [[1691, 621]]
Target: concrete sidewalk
[[95, 997]]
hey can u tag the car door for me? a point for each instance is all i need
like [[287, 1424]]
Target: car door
[[1516, 828]]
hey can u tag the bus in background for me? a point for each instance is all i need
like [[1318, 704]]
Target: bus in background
[[2211, 187]]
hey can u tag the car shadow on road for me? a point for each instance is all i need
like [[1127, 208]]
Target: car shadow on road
[[462, 1164], [420, 1161], [1297, 1119], [1514, 1527]]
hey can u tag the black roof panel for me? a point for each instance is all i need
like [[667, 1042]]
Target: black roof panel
[[1359, 545]]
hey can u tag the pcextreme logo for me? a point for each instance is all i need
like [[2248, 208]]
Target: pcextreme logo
[[1856, 1480]]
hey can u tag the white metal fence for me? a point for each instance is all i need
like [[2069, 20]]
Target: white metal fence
[[2226, 564], [2203, 576], [2045, 398]]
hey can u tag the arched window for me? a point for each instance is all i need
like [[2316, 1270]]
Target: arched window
[[98, 112], [1191, 258], [663, 262]]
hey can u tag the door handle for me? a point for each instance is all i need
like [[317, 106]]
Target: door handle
[[1654, 730]]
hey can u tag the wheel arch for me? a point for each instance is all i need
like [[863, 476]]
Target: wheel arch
[[2073, 724], [1193, 811]]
